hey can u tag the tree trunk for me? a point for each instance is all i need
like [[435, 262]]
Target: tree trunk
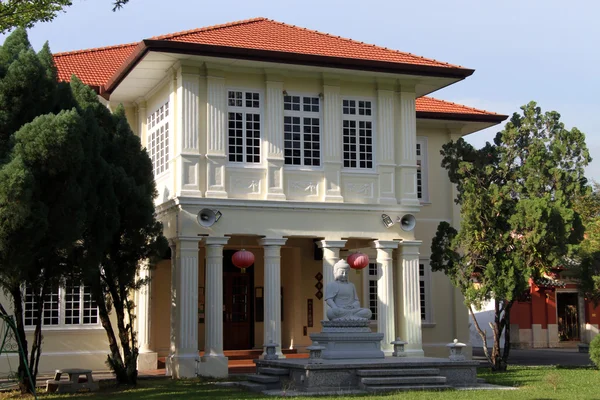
[[114, 358], [25, 385]]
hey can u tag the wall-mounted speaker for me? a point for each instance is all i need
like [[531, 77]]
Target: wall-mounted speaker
[[207, 217], [408, 222]]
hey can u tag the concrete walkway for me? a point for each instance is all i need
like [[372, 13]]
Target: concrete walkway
[[564, 357]]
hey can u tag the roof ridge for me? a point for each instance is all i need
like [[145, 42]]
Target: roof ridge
[[116, 46], [363, 43], [458, 104], [209, 28]]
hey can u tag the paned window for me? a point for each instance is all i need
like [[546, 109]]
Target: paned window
[[424, 291], [244, 126], [357, 133], [422, 189], [302, 130], [372, 287], [158, 139], [68, 306]]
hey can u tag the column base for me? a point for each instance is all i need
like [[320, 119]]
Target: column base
[[214, 366], [276, 196], [147, 360], [183, 366]]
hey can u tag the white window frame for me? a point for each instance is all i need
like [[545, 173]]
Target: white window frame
[[62, 308], [243, 109], [160, 162], [422, 169], [360, 118], [304, 114], [427, 308]]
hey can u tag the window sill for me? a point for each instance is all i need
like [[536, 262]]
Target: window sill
[[428, 324], [243, 165], [359, 171], [302, 168], [67, 329]]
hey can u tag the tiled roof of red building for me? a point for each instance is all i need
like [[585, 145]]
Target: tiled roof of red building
[[266, 34]]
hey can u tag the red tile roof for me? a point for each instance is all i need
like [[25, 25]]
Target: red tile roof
[[430, 105], [93, 66], [97, 66], [266, 34]]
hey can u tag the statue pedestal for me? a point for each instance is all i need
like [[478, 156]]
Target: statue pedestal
[[348, 339]]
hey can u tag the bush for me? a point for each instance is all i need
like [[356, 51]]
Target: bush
[[595, 351]]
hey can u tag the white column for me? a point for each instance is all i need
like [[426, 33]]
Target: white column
[[216, 128], [386, 321], [331, 255], [410, 302], [274, 139], [385, 150], [214, 362], [147, 358], [187, 157], [272, 324], [184, 309], [407, 167], [332, 141]]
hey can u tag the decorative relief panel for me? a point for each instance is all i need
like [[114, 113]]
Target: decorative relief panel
[[359, 189], [303, 186], [245, 185]]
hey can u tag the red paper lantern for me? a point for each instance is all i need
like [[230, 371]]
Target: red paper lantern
[[358, 260], [242, 259]]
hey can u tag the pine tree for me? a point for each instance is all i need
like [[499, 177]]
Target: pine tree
[[517, 218]]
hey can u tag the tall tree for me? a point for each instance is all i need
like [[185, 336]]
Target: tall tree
[[586, 260], [123, 233], [25, 13], [517, 219], [43, 181]]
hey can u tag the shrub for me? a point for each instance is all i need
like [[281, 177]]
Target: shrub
[[595, 351]]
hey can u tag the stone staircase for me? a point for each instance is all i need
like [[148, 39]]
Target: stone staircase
[[393, 380], [266, 378]]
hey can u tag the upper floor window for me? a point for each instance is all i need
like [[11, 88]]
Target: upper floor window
[[357, 133], [158, 138], [244, 126], [66, 306], [422, 189], [302, 130]]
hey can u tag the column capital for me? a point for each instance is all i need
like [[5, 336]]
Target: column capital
[[185, 242], [272, 241], [215, 240], [328, 244], [384, 244], [410, 247]]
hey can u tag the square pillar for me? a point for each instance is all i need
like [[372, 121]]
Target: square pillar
[[272, 322], [214, 362], [386, 320], [407, 281], [147, 357], [184, 308], [331, 255]]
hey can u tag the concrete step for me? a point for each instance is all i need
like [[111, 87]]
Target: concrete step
[[252, 386], [398, 372], [392, 388], [264, 379], [274, 371], [404, 380]]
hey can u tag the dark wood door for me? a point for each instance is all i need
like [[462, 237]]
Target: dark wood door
[[238, 326], [568, 317]]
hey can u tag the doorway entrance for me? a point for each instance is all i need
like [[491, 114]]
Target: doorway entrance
[[238, 315], [568, 316]]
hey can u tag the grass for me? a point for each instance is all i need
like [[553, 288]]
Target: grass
[[532, 383]]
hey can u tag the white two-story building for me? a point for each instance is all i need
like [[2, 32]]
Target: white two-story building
[[298, 142]]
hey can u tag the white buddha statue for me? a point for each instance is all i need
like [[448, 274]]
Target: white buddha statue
[[340, 296]]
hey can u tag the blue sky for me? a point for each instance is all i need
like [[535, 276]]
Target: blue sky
[[522, 50]]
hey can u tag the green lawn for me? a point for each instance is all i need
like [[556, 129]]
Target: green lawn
[[532, 383]]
